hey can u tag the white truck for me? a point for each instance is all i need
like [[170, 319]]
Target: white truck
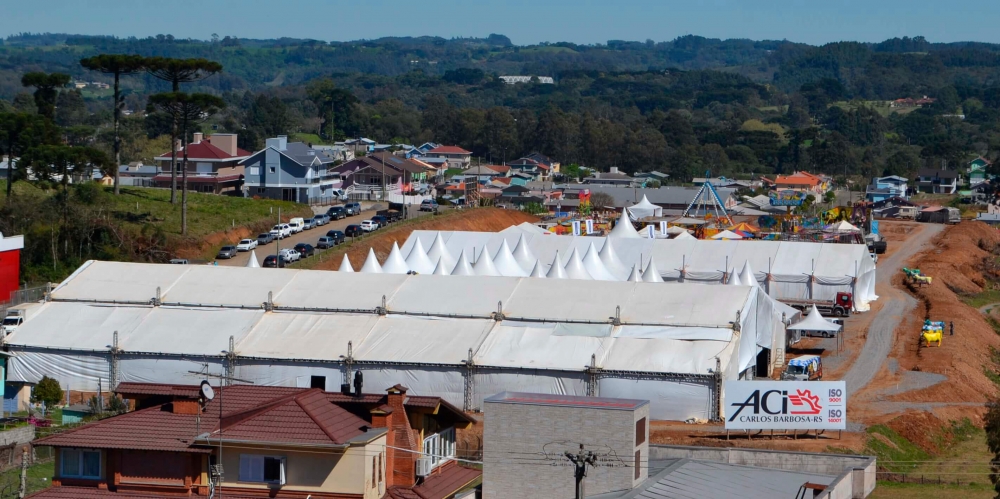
[[15, 317], [297, 224]]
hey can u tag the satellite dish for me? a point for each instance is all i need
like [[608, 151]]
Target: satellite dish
[[206, 391]]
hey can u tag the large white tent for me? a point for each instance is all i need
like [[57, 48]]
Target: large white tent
[[460, 337], [784, 269], [644, 209]]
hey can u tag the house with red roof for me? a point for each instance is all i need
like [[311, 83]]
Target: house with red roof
[[214, 164], [454, 156], [246, 441], [802, 181]]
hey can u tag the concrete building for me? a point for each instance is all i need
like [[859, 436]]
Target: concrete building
[[538, 429]]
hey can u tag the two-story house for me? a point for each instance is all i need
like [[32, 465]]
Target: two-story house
[[936, 181], [532, 169], [369, 173], [612, 177], [454, 156], [977, 171], [215, 164], [290, 171], [802, 181], [261, 441], [882, 188]]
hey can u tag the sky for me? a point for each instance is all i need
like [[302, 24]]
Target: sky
[[524, 21]]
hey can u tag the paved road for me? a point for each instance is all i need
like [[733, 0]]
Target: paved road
[[896, 304], [307, 236]]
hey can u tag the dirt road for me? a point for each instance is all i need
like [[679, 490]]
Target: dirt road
[[306, 236], [896, 304]]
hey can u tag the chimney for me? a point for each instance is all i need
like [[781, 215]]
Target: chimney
[[185, 406], [403, 464], [225, 141], [196, 137], [358, 383]]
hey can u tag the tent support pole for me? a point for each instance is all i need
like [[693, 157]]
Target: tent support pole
[[717, 399], [230, 362], [592, 375], [349, 364], [115, 367], [469, 388]]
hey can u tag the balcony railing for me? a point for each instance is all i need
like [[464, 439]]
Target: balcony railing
[[440, 447]]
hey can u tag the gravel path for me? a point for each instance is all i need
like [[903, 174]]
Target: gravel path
[[896, 304]]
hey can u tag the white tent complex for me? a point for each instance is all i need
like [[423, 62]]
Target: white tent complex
[[462, 338], [784, 269], [815, 322]]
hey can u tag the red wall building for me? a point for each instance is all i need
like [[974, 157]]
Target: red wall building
[[10, 265]]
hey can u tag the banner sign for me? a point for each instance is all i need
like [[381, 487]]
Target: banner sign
[[786, 405], [576, 227], [874, 227], [663, 228], [787, 198], [590, 226], [650, 231]]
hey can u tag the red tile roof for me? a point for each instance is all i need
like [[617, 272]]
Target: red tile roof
[[205, 150], [67, 492], [499, 168], [127, 389], [504, 180], [448, 150], [252, 413], [446, 481]]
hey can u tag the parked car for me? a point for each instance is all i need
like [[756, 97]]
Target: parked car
[[296, 224], [380, 220], [338, 236], [305, 249], [281, 231], [352, 209], [337, 212], [226, 252], [325, 242], [308, 224], [353, 231], [369, 225], [429, 205], [179, 261], [289, 255], [274, 261], [264, 238], [322, 219], [246, 245]]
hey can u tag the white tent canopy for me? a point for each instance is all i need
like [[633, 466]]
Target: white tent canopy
[[644, 209], [505, 262], [685, 235], [371, 265], [727, 234], [394, 263], [623, 228], [252, 262], [664, 343], [843, 226], [418, 261], [345, 265], [784, 269], [814, 322]]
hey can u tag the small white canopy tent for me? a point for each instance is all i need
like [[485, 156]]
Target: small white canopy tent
[[734, 279], [345, 265], [574, 267], [484, 265], [439, 251], [747, 276], [727, 234], [611, 260], [556, 270], [522, 253], [651, 274], [684, 235], [677, 230], [815, 322], [537, 270], [440, 268], [595, 267], [644, 209], [843, 226], [505, 262], [624, 229], [252, 262], [462, 267], [636, 275]]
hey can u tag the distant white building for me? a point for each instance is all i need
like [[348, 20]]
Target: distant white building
[[510, 80]]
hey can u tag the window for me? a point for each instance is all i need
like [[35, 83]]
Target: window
[[270, 169], [79, 463], [261, 190], [640, 431], [265, 469], [638, 465], [254, 170], [440, 446], [317, 382]]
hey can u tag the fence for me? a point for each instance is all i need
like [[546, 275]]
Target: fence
[[135, 182], [27, 295]]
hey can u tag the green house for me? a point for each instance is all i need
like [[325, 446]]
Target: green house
[[977, 171]]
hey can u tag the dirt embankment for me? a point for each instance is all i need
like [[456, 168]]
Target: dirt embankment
[[479, 220], [194, 248], [957, 262]]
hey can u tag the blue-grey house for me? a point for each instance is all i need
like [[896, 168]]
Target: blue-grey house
[[291, 171], [883, 188]]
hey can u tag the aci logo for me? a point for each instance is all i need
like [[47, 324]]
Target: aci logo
[[776, 402]]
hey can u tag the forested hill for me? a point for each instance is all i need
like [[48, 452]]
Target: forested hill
[[895, 68]]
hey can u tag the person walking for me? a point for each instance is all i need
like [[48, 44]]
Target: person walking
[[952, 327]]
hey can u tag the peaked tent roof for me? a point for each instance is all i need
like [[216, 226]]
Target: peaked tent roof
[[595, 267], [556, 270], [394, 263], [727, 234], [574, 267], [440, 268], [734, 279], [462, 266], [505, 262], [536, 271], [747, 276], [439, 251], [651, 274], [843, 226], [644, 209], [814, 322], [345, 265], [623, 228], [684, 235], [418, 261], [522, 253], [484, 265], [636, 275], [611, 260], [252, 262], [371, 265]]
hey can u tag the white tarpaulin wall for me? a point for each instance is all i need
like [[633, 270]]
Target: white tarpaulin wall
[[785, 269], [668, 343]]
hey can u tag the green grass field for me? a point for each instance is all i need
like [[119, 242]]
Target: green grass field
[[207, 213]]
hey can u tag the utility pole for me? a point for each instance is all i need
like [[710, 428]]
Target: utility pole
[[581, 459]]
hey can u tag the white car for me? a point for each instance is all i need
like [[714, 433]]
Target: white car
[[290, 255], [246, 245], [281, 231], [369, 225]]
